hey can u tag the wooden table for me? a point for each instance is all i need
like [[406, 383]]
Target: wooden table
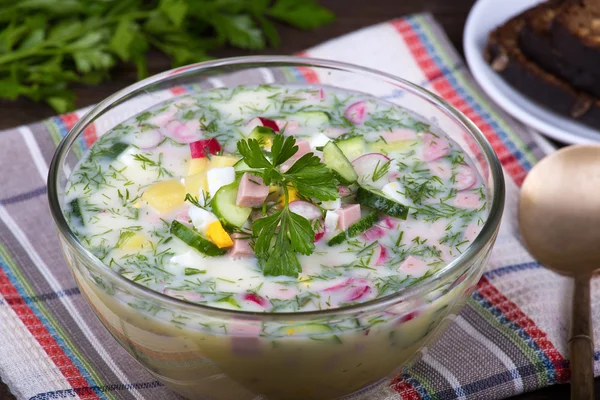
[[351, 15]]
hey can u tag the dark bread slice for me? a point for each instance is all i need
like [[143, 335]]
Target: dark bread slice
[[535, 42], [575, 33], [507, 59]]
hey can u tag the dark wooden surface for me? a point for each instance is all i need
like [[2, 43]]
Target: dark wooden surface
[[351, 15]]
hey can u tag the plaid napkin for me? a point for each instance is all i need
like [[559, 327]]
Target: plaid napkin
[[510, 338]]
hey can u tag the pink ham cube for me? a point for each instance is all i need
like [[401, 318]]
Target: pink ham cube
[[303, 148], [348, 215], [241, 246], [413, 266], [468, 200], [252, 191]]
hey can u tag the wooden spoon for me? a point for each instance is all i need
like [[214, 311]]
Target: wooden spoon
[[559, 218]]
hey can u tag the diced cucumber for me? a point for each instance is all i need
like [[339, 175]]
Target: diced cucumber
[[263, 135], [241, 166], [195, 240], [114, 151], [310, 118], [336, 161], [355, 229], [225, 208], [305, 330], [352, 147], [377, 200], [387, 147], [76, 210]]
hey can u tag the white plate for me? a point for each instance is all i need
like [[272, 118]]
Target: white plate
[[485, 16]]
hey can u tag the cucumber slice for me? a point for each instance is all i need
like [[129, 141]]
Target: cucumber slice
[[263, 135], [355, 229], [352, 147], [336, 161], [114, 151], [310, 118], [195, 240], [386, 148], [225, 208], [76, 211], [241, 166], [380, 202]]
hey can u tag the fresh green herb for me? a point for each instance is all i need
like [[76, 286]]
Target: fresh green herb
[[47, 45], [193, 271], [380, 171]]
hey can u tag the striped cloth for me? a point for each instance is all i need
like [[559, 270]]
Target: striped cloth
[[510, 338]]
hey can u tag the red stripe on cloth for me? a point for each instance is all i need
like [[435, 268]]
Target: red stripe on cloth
[[445, 89], [404, 389], [90, 135], [45, 339], [69, 120], [512, 312], [308, 73]]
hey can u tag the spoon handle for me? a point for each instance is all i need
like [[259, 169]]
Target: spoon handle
[[581, 343]]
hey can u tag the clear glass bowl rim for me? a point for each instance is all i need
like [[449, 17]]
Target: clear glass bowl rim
[[420, 289]]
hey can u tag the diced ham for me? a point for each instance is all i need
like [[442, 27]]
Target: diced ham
[[435, 147], [472, 231], [303, 148], [241, 247], [348, 215], [252, 191], [441, 169], [467, 200], [189, 296], [288, 126], [465, 177], [413, 266], [398, 134]]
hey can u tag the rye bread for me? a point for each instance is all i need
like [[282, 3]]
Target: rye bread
[[506, 58], [536, 43], [575, 33]]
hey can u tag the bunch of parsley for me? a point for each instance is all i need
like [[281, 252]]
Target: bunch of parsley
[[45, 45], [283, 234]]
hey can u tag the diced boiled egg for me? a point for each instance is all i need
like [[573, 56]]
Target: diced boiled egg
[[189, 259], [219, 177], [126, 157], [201, 218], [332, 204], [318, 140], [394, 190], [331, 221]]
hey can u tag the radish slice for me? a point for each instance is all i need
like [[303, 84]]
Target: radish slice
[[319, 236], [399, 134], [382, 255], [358, 292], [374, 233], [148, 140], [321, 94], [288, 126], [344, 191], [254, 298], [356, 112], [435, 147], [180, 132], [339, 286], [305, 209], [201, 148], [389, 222], [320, 233], [367, 164], [269, 123], [465, 177]]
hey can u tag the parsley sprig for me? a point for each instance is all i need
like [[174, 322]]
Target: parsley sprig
[[280, 236]]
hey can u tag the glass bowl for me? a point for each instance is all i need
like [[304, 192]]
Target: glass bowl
[[203, 352]]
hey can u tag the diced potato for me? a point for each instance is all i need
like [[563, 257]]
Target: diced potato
[[135, 242], [218, 235], [197, 165], [165, 196], [222, 161], [194, 183]]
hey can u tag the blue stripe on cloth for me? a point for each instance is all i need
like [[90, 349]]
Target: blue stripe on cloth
[[511, 268], [502, 135], [58, 338], [61, 394], [24, 196], [528, 340], [49, 296]]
